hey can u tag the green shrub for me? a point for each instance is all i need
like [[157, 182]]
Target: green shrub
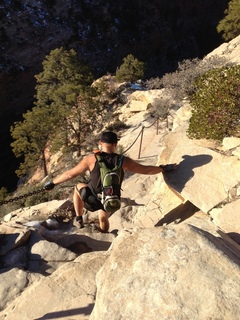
[[216, 105], [130, 70], [229, 26], [116, 125]]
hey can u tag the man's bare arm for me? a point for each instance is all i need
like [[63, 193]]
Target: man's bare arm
[[80, 168], [135, 167]]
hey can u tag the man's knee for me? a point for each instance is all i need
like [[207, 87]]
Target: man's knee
[[91, 202], [78, 188]]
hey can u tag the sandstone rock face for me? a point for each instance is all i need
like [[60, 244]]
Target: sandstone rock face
[[227, 218], [13, 282], [29, 251], [229, 50], [178, 272], [205, 177], [68, 293]]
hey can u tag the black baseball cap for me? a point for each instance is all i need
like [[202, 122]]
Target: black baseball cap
[[109, 137]]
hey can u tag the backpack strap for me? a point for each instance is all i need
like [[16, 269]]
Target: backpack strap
[[102, 165], [120, 160]]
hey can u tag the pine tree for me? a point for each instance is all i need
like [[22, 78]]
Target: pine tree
[[131, 70], [31, 139], [230, 24], [63, 79], [55, 116]]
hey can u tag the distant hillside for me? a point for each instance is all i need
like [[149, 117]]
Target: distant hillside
[[160, 33]]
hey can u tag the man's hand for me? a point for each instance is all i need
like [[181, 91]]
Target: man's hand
[[168, 167], [49, 185]]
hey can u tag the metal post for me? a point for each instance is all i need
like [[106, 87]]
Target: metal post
[[140, 147]]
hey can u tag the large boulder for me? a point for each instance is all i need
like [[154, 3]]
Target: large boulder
[[69, 293], [177, 272]]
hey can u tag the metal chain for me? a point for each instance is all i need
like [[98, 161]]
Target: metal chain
[[143, 127], [43, 188], [23, 196], [134, 141]]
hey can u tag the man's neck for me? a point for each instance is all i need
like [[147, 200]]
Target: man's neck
[[110, 149]]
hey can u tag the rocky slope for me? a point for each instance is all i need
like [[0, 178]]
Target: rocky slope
[[174, 247]]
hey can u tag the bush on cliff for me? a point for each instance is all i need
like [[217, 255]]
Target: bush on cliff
[[216, 105], [229, 26], [130, 70]]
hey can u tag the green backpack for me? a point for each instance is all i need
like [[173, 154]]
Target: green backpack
[[111, 180]]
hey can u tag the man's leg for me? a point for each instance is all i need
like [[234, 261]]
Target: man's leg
[[103, 220], [78, 203]]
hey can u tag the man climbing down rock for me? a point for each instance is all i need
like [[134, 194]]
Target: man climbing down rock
[[103, 190]]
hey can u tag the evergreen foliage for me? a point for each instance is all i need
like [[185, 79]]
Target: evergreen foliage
[[216, 105], [116, 125], [230, 24], [85, 117], [130, 70], [65, 110], [65, 87], [31, 136], [62, 78]]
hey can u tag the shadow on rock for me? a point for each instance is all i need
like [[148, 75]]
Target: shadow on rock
[[224, 243], [235, 236], [82, 243], [178, 214], [129, 202], [67, 313], [185, 171]]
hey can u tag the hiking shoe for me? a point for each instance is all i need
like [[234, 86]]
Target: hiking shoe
[[79, 222]]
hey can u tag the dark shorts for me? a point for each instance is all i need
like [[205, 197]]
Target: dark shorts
[[91, 202]]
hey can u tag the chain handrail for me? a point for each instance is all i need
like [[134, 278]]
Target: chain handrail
[[134, 141], [23, 196], [152, 124], [141, 131]]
